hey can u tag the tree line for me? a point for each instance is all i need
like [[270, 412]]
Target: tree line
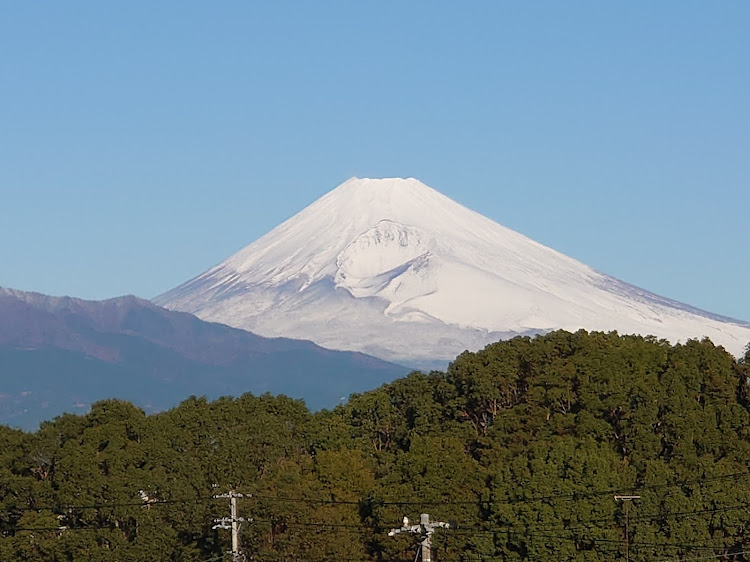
[[524, 444]]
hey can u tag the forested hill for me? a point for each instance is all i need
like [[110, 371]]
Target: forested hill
[[524, 445]]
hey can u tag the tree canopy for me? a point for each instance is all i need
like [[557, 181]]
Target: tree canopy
[[524, 444]]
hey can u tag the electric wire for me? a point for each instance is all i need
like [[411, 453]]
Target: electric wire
[[578, 532], [568, 495], [724, 555], [377, 502]]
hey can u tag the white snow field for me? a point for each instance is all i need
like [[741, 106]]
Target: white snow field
[[393, 268]]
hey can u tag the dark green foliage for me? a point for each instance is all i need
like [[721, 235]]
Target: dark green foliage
[[524, 443]]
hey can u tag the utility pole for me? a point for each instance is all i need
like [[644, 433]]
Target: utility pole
[[425, 530], [626, 502], [232, 522]]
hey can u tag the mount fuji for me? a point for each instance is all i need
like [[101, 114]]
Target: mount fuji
[[393, 268]]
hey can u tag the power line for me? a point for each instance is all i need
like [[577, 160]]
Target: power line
[[500, 528], [729, 555], [214, 559], [151, 502], [307, 500], [638, 518], [377, 502], [583, 537], [600, 542], [579, 532], [576, 495], [568, 495], [642, 518]]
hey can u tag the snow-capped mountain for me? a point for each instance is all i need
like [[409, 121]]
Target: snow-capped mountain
[[395, 269]]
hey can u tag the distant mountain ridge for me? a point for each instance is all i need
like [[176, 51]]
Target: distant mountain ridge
[[393, 268], [60, 353]]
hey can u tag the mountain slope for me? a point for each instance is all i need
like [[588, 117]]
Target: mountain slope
[[60, 354], [393, 268]]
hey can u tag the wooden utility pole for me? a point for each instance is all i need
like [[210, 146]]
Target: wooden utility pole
[[626, 501]]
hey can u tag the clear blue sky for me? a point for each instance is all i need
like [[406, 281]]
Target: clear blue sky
[[143, 142]]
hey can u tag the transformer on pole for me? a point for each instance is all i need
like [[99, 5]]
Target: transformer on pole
[[425, 528]]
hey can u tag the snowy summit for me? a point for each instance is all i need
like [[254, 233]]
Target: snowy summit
[[393, 268]]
